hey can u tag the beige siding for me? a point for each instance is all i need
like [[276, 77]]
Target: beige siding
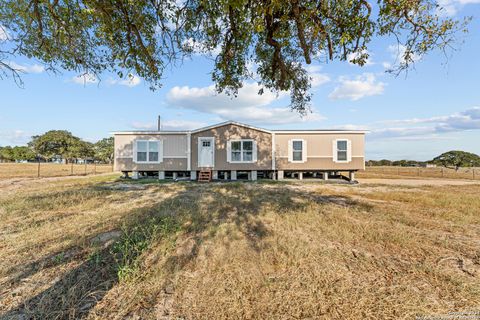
[[232, 132], [321, 164], [174, 152], [320, 151], [168, 164]]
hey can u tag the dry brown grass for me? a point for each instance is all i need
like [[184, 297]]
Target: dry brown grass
[[30, 170], [419, 173], [100, 249]]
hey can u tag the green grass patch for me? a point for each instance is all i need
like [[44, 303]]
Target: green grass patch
[[136, 240]]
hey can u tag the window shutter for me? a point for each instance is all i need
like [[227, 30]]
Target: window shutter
[[334, 151], [160, 150], [290, 151], [229, 151], [135, 151], [349, 150], [254, 151], [304, 150]]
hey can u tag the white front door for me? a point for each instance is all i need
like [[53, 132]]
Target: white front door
[[206, 147]]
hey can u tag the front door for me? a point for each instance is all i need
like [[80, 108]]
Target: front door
[[205, 152]]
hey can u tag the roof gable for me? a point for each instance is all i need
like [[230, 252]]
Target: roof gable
[[230, 123]]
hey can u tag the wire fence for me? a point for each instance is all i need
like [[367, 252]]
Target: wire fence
[[437, 172], [45, 169]]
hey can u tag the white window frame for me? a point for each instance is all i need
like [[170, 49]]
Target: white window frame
[[304, 151], [348, 151], [254, 151], [160, 151]]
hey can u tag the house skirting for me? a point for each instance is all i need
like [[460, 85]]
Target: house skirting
[[233, 175]]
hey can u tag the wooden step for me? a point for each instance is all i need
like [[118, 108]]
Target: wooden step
[[205, 176]]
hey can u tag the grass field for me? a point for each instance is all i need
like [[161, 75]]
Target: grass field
[[97, 248], [416, 173], [30, 170]]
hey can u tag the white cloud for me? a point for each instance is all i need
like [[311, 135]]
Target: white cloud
[[316, 77], [15, 137], [361, 86], [398, 51], [355, 55], [386, 65], [131, 81], [451, 7], [426, 128], [247, 106], [460, 121], [85, 79], [32, 68], [169, 125], [205, 99], [4, 35], [89, 78]]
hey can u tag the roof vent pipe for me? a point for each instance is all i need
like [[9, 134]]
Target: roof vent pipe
[[159, 124]]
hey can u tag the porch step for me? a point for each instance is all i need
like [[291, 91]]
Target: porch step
[[205, 176]]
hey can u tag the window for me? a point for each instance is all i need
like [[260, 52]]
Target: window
[[205, 143], [153, 151], [297, 150], [148, 151], [236, 151], [142, 151], [342, 150], [247, 150], [241, 151]]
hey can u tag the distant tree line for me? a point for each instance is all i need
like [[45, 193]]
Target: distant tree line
[[396, 163], [451, 159], [59, 144]]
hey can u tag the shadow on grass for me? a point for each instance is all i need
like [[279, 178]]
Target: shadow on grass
[[197, 211]]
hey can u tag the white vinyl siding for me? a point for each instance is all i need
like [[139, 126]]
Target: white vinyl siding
[[342, 150], [297, 150], [148, 151], [241, 151]]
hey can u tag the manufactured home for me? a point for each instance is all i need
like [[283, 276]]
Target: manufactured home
[[232, 150]]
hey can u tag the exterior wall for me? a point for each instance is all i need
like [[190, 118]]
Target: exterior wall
[[176, 149], [319, 164], [320, 151], [233, 132], [175, 152], [168, 164]]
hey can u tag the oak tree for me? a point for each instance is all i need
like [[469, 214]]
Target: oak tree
[[144, 37], [457, 159]]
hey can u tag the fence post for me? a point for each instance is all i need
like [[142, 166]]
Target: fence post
[[473, 173], [38, 167], [71, 169], [85, 160], [94, 167]]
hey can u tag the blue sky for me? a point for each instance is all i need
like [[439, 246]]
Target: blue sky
[[432, 109]]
